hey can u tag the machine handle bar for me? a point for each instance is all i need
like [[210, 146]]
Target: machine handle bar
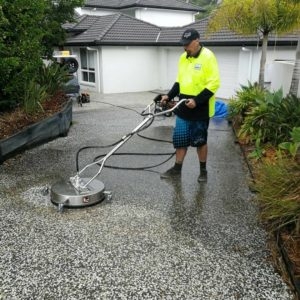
[[76, 179]]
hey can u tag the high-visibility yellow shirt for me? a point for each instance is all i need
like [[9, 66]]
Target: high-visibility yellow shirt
[[197, 73]]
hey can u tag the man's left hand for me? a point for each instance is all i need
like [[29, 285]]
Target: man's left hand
[[190, 103]]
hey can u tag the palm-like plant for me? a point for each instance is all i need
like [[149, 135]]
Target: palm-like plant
[[257, 17]]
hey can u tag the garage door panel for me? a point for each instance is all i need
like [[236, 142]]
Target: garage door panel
[[228, 61]]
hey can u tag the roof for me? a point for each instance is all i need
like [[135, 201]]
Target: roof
[[113, 29], [121, 29], [124, 4], [223, 37]]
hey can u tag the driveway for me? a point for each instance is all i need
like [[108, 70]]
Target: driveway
[[155, 239]]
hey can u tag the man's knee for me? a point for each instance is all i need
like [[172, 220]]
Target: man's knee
[[199, 142]]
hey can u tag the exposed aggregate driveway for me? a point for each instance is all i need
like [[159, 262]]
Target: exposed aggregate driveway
[[155, 239]]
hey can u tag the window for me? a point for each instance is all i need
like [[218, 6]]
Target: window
[[88, 63]]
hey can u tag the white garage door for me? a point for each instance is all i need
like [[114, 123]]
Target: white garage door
[[228, 60], [172, 57]]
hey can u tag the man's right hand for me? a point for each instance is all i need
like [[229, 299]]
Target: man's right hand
[[164, 100]]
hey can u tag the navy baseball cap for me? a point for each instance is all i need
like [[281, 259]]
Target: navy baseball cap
[[188, 36]]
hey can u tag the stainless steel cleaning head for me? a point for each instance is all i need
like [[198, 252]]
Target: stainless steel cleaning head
[[64, 194]]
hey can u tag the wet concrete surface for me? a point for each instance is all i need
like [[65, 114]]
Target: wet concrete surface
[[156, 239]]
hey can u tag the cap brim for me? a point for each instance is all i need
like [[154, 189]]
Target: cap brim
[[185, 42]]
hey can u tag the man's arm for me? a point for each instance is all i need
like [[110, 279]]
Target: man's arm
[[203, 97], [174, 91]]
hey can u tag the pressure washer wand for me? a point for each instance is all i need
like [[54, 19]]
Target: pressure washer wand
[[76, 180], [148, 107]]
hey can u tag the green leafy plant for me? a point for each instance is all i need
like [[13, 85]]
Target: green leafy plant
[[52, 77], [258, 152], [272, 119], [33, 97], [244, 101], [29, 30], [294, 145]]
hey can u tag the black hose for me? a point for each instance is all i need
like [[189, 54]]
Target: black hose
[[146, 168], [119, 106], [148, 124], [92, 147]]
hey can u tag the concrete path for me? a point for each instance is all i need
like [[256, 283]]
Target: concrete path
[[155, 239]]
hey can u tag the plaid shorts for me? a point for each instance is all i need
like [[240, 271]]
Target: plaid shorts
[[190, 133]]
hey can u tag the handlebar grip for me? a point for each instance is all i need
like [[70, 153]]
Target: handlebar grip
[[157, 98]]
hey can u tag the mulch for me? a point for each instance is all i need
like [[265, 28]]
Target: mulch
[[13, 121]]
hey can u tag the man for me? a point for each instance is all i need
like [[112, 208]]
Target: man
[[197, 81]]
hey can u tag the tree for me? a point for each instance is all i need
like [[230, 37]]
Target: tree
[[208, 5], [21, 50], [29, 30], [296, 72], [257, 17], [57, 13]]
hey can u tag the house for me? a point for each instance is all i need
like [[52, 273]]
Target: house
[[161, 13], [120, 53]]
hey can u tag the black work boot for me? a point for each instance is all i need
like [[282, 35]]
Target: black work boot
[[203, 175], [173, 172]]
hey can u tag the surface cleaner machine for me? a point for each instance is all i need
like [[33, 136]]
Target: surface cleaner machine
[[80, 191]]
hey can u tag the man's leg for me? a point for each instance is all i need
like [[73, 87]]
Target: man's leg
[[180, 155], [175, 171], [199, 140], [181, 140], [202, 153], [202, 156]]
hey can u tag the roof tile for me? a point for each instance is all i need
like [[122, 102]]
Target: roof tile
[[116, 29], [166, 4]]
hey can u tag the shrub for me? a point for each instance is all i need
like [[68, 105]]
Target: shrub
[[272, 120], [34, 97], [52, 77], [293, 145], [28, 31], [278, 186], [245, 100]]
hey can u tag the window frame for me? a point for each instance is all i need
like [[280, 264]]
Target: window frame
[[88, 67]]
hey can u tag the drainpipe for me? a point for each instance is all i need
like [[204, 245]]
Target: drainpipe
[[250, 65], [99, 71]]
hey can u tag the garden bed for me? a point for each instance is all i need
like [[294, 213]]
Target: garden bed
[[286, 242], [290, 248], [19, 131]]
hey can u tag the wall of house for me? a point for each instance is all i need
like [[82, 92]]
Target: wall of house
[[245, 62], [237, 65], [159, 17], [283, 78], [279, 67], [168, 65], [165, 18], [134, 69], [129, 69], [274, 53], [230, 70], [94, 12], [85, 86]]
